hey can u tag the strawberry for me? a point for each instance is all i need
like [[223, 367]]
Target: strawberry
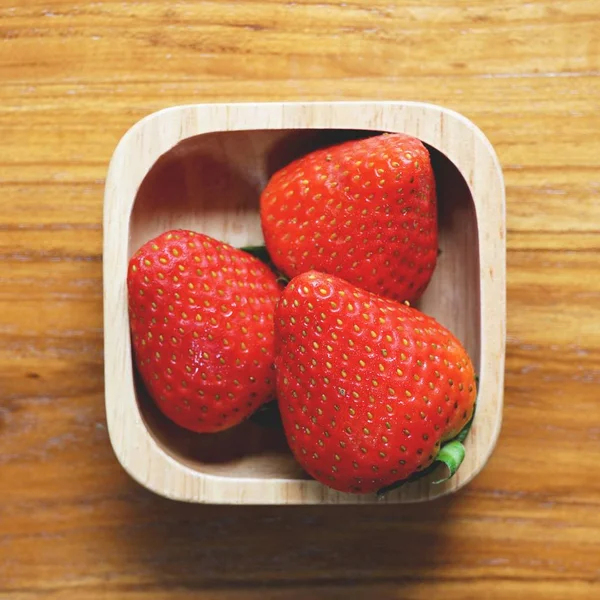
[[201, 315], [364, 210], [368, 388]]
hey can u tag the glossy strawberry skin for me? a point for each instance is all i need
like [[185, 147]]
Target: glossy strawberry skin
[[201, 318], [364, 210], [368, 388]]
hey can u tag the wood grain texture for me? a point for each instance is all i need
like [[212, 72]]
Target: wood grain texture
[[75, 76]]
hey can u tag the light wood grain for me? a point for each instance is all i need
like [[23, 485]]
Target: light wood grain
[[72, 523]]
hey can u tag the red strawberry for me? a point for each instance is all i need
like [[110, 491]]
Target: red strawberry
[[201, 315], [368, 388], [363, 210]]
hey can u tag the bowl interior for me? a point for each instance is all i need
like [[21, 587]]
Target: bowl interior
[[211, 183]]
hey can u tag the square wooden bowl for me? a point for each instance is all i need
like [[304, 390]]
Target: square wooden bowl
[[202, 167]]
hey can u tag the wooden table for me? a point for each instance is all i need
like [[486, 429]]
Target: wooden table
[[75, 76]]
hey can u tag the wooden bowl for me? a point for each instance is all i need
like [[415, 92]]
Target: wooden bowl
[[202, 167]]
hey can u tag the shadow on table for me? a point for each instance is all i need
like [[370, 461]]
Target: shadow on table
[[325, 551]]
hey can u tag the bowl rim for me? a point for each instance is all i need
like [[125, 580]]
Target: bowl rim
[[448, 131]]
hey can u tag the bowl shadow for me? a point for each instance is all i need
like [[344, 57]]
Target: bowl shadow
[[288, 552]]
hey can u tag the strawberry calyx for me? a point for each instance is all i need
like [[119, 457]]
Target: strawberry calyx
[[259, 252], [263, 255], [268, 415], [451, 455]]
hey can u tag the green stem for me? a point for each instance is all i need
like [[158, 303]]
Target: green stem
[[451, 455]]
